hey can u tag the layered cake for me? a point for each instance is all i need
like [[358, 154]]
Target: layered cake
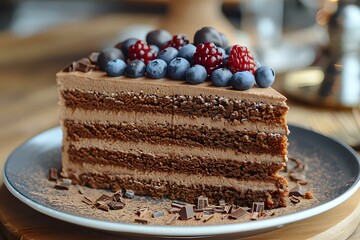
[[167, 118]]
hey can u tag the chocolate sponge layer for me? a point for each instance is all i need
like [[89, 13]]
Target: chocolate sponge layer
[[198, 106], [192, 136], [204, 165]]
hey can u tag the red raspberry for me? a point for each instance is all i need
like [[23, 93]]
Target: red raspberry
[[209, 56], [178, 41], [241, 59], [141, 51]]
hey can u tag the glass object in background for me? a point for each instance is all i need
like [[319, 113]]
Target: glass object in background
[[264, 23], [335, 82]]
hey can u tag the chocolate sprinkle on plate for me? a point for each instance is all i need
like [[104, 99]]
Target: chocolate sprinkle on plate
[[186, 212], [238, 213], [53, 174]]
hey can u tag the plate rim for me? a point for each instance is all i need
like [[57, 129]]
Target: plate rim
[[182, 231]]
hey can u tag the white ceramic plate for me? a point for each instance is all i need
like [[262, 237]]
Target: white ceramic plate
[[324, 156]]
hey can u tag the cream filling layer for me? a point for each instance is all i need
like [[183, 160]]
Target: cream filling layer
[[98, 81], [178, 178], [163, 150], [106, 117]]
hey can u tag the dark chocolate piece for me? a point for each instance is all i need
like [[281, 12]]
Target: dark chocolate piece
[[186, 212], [107, 55], [158, 214], [53, 174], [238, 213], [63, 184], [257, 207], [142, 212], [297, 191], [294, 199], [93, 57], [129, 194], [116, 205], [103, 198], [202, 202], [141, 220], [117, 197]]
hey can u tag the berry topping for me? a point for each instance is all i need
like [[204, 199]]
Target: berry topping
[[240, 59], [221, 77], [224, 40], [178, 41], [155, 49], [115, 68], [141, 51], [107, 55], [264, 76], [242, 80], [187, 52], [156, 69], [196, 74], [209, 56], [177, 68], [124, 46], [207, 34], [135, 69], [158, 37], [168, 54]]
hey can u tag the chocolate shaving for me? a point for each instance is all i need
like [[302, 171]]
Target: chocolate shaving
[[103, 207], [228, 209], [142, 212], [103, 198], [141, 220], [88, 201], [207, 217], [81, 190], [172, 219], [186, 212], [53, 174], [238, 213]]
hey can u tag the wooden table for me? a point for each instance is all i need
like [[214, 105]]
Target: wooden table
[[28, 106]]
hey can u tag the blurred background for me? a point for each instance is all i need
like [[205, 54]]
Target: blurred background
[[312, 45]]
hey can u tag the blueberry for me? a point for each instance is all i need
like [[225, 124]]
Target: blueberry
[[222, 51], [177, 68], [228, 50], [156, 69], [221, 77], [207, 34], [107, 55], [135, 69], [158, 37], [168, 54], [264, 76], [155, 49], [242, 80], [115, 68], [196, 74], [224, 40], [187, 52], [226, 58], [124, 46]]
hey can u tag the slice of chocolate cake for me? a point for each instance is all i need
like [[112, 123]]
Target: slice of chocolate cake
[[168, 138]]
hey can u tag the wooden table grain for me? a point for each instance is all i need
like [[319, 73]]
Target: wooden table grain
[[28, 106]]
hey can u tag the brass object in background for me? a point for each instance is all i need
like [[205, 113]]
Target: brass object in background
[[337, 82]]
